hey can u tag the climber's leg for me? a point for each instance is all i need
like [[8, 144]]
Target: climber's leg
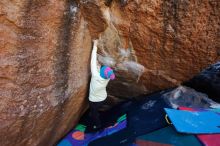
[[94, 113]]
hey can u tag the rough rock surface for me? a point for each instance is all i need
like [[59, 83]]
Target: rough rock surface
[[45, 53], [44, 70], [172, 40]]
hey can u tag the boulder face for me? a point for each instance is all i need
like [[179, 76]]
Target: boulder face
[[166, 42], [45, 54]]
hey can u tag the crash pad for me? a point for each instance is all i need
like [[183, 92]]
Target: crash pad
[[78, 137], [195, 122], [209, 139], [216, 110], [144, 116], [206, 139], [124, 137], [169, 135], [149, 143]]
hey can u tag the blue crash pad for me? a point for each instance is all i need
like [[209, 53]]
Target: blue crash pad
[[194, 122]]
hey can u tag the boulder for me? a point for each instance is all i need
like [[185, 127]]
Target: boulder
[[44, 71]]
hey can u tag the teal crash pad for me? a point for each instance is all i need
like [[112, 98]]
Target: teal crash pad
[[197, 122], [169, 135]]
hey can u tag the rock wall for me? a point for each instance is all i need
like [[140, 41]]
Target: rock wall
[[156, 44], [45, 53]]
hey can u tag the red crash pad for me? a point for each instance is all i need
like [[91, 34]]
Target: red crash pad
[[206, 139]]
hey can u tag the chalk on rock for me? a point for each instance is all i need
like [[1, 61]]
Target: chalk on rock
[[124, 52], [106, 60], [134, 67]]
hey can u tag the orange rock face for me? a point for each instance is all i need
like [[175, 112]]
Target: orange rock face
[[167, 42], [45, 54]]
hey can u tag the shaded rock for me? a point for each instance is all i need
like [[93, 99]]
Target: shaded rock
[[208, 81]]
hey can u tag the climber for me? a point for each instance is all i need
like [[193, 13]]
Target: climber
[[99, 80], [122, 2]]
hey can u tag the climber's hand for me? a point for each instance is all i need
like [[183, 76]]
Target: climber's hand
[[95, 42]]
